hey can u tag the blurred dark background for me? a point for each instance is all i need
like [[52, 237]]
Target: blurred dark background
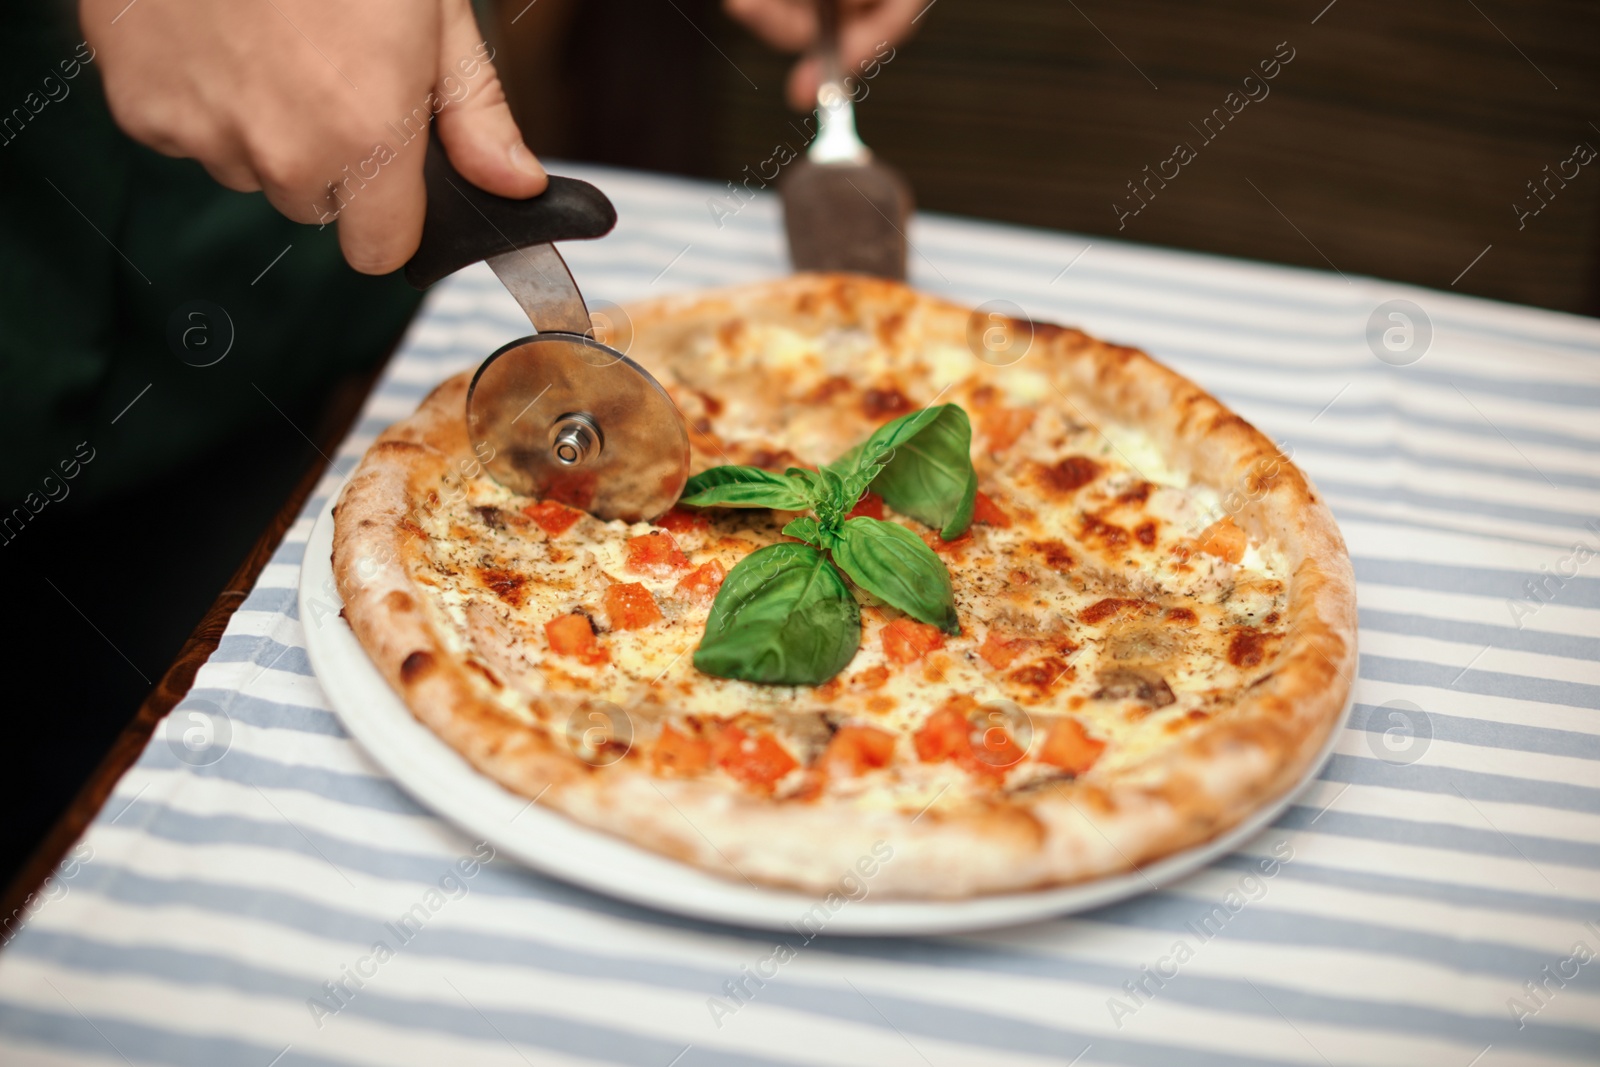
[[1398, 138]]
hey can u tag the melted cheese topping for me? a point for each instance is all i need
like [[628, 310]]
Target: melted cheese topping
[[1088, 596]]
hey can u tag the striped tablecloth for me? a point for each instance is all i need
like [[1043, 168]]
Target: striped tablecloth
[[1435, 897]]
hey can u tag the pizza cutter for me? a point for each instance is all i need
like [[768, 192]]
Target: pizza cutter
[[558, 415]]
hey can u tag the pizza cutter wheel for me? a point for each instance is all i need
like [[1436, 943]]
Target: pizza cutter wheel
[[558, 415]]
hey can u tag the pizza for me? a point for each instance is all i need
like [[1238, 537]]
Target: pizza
[[1149, 627]]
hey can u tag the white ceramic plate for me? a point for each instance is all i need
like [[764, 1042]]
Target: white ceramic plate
[[552, 844]]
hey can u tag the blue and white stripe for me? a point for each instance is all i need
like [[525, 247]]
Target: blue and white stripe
[[210, 904]]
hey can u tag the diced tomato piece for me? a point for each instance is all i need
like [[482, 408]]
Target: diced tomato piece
[[553, 518], [1224, 540], [573, 635], [988, 512], [1002, 426], [757, 761], [654, 552], [679, 520], [905, 640], [870, 505], [857, 749], [630, 606], [702, 583], [1001, 651], [680, 755], [936, 541], [1068, 746], [995, 751], [946, 735]]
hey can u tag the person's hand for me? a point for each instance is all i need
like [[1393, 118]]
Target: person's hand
[[324, 106], [791, 26]]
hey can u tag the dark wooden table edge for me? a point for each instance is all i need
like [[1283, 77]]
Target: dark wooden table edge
[[340, 415]]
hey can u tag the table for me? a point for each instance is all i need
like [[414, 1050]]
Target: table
[[1437, 895]]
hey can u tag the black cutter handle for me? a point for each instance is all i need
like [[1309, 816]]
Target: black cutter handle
[[464, 224]]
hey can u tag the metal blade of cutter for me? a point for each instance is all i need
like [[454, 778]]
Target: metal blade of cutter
[[557, 415]]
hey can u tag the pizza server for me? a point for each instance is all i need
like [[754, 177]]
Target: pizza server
[[557, 414], [843, 209]]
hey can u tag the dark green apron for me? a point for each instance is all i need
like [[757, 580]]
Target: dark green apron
[[122, 273]]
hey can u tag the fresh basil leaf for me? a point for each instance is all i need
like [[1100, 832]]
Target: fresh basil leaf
[[745, 487], [929, 476], [783, 616], [859, 466], [808, 530], [894, 565]]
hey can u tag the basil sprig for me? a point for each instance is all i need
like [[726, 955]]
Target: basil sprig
[[784, 614]]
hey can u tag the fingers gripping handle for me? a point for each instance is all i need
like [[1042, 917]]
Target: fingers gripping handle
[[464, 224]]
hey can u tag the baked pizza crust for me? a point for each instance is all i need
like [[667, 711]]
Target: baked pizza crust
[[1207, 781]]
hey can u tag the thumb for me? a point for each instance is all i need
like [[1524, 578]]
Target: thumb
[[475, 124]]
